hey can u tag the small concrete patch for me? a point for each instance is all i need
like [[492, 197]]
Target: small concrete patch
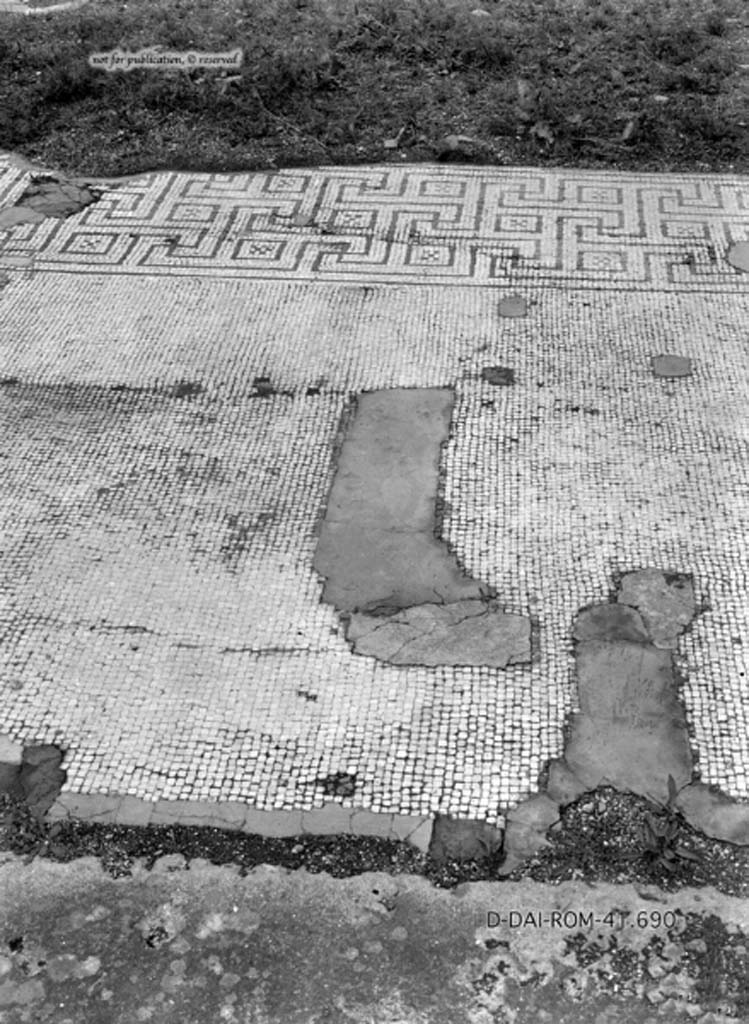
[[672, 366], [462, 839], [738, 256], [715, 814], [665, 601], [500, 376], [513, 305], [462, 633]]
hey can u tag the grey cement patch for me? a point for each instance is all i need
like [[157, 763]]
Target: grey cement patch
[[672, 366], [611, 622], [405, 598], [500, 376], [738, 256], [462, 633], [666, 603], [630, 731], [513, 305], [48, 195]]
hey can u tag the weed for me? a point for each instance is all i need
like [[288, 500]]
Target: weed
[[541, 81], [659, 834]]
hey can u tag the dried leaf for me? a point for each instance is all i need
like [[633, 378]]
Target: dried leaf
[[526, 93], [394, 143], [656, 827], [543, 132], [648, 839], [685, 854]]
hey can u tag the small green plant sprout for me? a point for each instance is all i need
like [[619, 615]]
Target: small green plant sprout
[[659, 833]]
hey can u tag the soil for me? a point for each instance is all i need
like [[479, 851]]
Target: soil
[[635, 85], [601, 837]]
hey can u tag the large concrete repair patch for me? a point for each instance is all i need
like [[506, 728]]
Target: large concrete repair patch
[[402, 594], [631, 730]]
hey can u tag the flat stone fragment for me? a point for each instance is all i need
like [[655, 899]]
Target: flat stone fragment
[[666, 603], [19, 215], [134, 811], [10, 751], [631, 758], [10, 779], [327, 820], [526, 830], [628, 683], [672, 366], [10, 260], [562, 786], [56, 198], [276, 823], [421, 836], [462, 839], [714, 813], [41, 778], [738, 256], [411, 828], [469, 632], [610, 622], [370, 823]]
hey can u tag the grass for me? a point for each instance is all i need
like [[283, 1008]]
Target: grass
[[630, 84]]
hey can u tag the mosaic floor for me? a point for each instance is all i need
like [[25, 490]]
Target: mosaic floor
[[161, 618]]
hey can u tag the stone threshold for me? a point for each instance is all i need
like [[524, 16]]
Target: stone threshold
[[330, 819]]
